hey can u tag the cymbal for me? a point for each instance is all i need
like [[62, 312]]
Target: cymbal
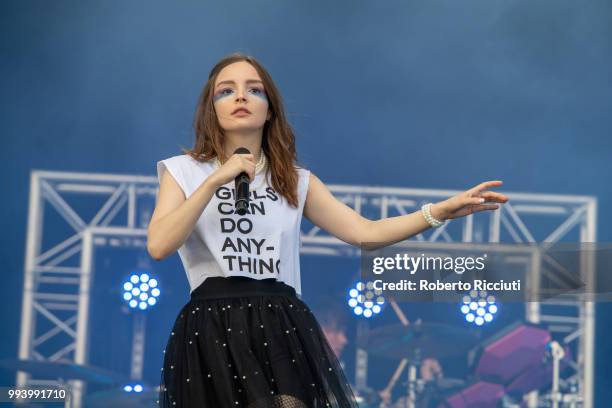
[[63, 370], [427, 339]]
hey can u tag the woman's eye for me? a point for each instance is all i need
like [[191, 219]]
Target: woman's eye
[[228, 91]]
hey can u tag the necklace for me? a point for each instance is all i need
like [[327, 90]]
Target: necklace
[[261, 163], [259, 166]]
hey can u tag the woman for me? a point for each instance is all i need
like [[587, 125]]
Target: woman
[[246, 339]]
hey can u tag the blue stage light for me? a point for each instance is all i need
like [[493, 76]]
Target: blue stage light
[[133, 388], [365, 300], [479, 307], [141, 291]]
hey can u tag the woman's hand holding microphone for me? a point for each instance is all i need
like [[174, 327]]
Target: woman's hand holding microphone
[[236, 164]]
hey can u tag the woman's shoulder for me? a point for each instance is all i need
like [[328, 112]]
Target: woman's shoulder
[[303, 179], [186, 160], [302, 171]]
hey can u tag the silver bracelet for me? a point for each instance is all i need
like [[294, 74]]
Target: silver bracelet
[[426, 210]]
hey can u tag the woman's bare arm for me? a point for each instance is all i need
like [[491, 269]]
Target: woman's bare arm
[[335, 217], [174, 216], [332, 215]]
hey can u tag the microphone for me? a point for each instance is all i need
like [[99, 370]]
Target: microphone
[[242, 186]]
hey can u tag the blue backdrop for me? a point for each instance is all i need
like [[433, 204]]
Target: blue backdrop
[[425, 94]]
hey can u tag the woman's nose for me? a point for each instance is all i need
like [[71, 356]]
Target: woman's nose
[[240, 95]]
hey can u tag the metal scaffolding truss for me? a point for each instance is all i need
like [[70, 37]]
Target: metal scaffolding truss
[[72, 213], [62, 232]]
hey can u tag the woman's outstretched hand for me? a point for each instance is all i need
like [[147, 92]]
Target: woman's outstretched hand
[[470, 201]]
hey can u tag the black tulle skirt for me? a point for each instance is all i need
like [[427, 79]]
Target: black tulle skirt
[[242, 342]]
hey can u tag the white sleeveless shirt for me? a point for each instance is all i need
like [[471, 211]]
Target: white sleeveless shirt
[[264, 243]]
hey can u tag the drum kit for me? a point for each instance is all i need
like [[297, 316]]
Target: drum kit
[[504, 370]]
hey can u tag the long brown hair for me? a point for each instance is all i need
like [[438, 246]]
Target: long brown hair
[[278, 140]]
